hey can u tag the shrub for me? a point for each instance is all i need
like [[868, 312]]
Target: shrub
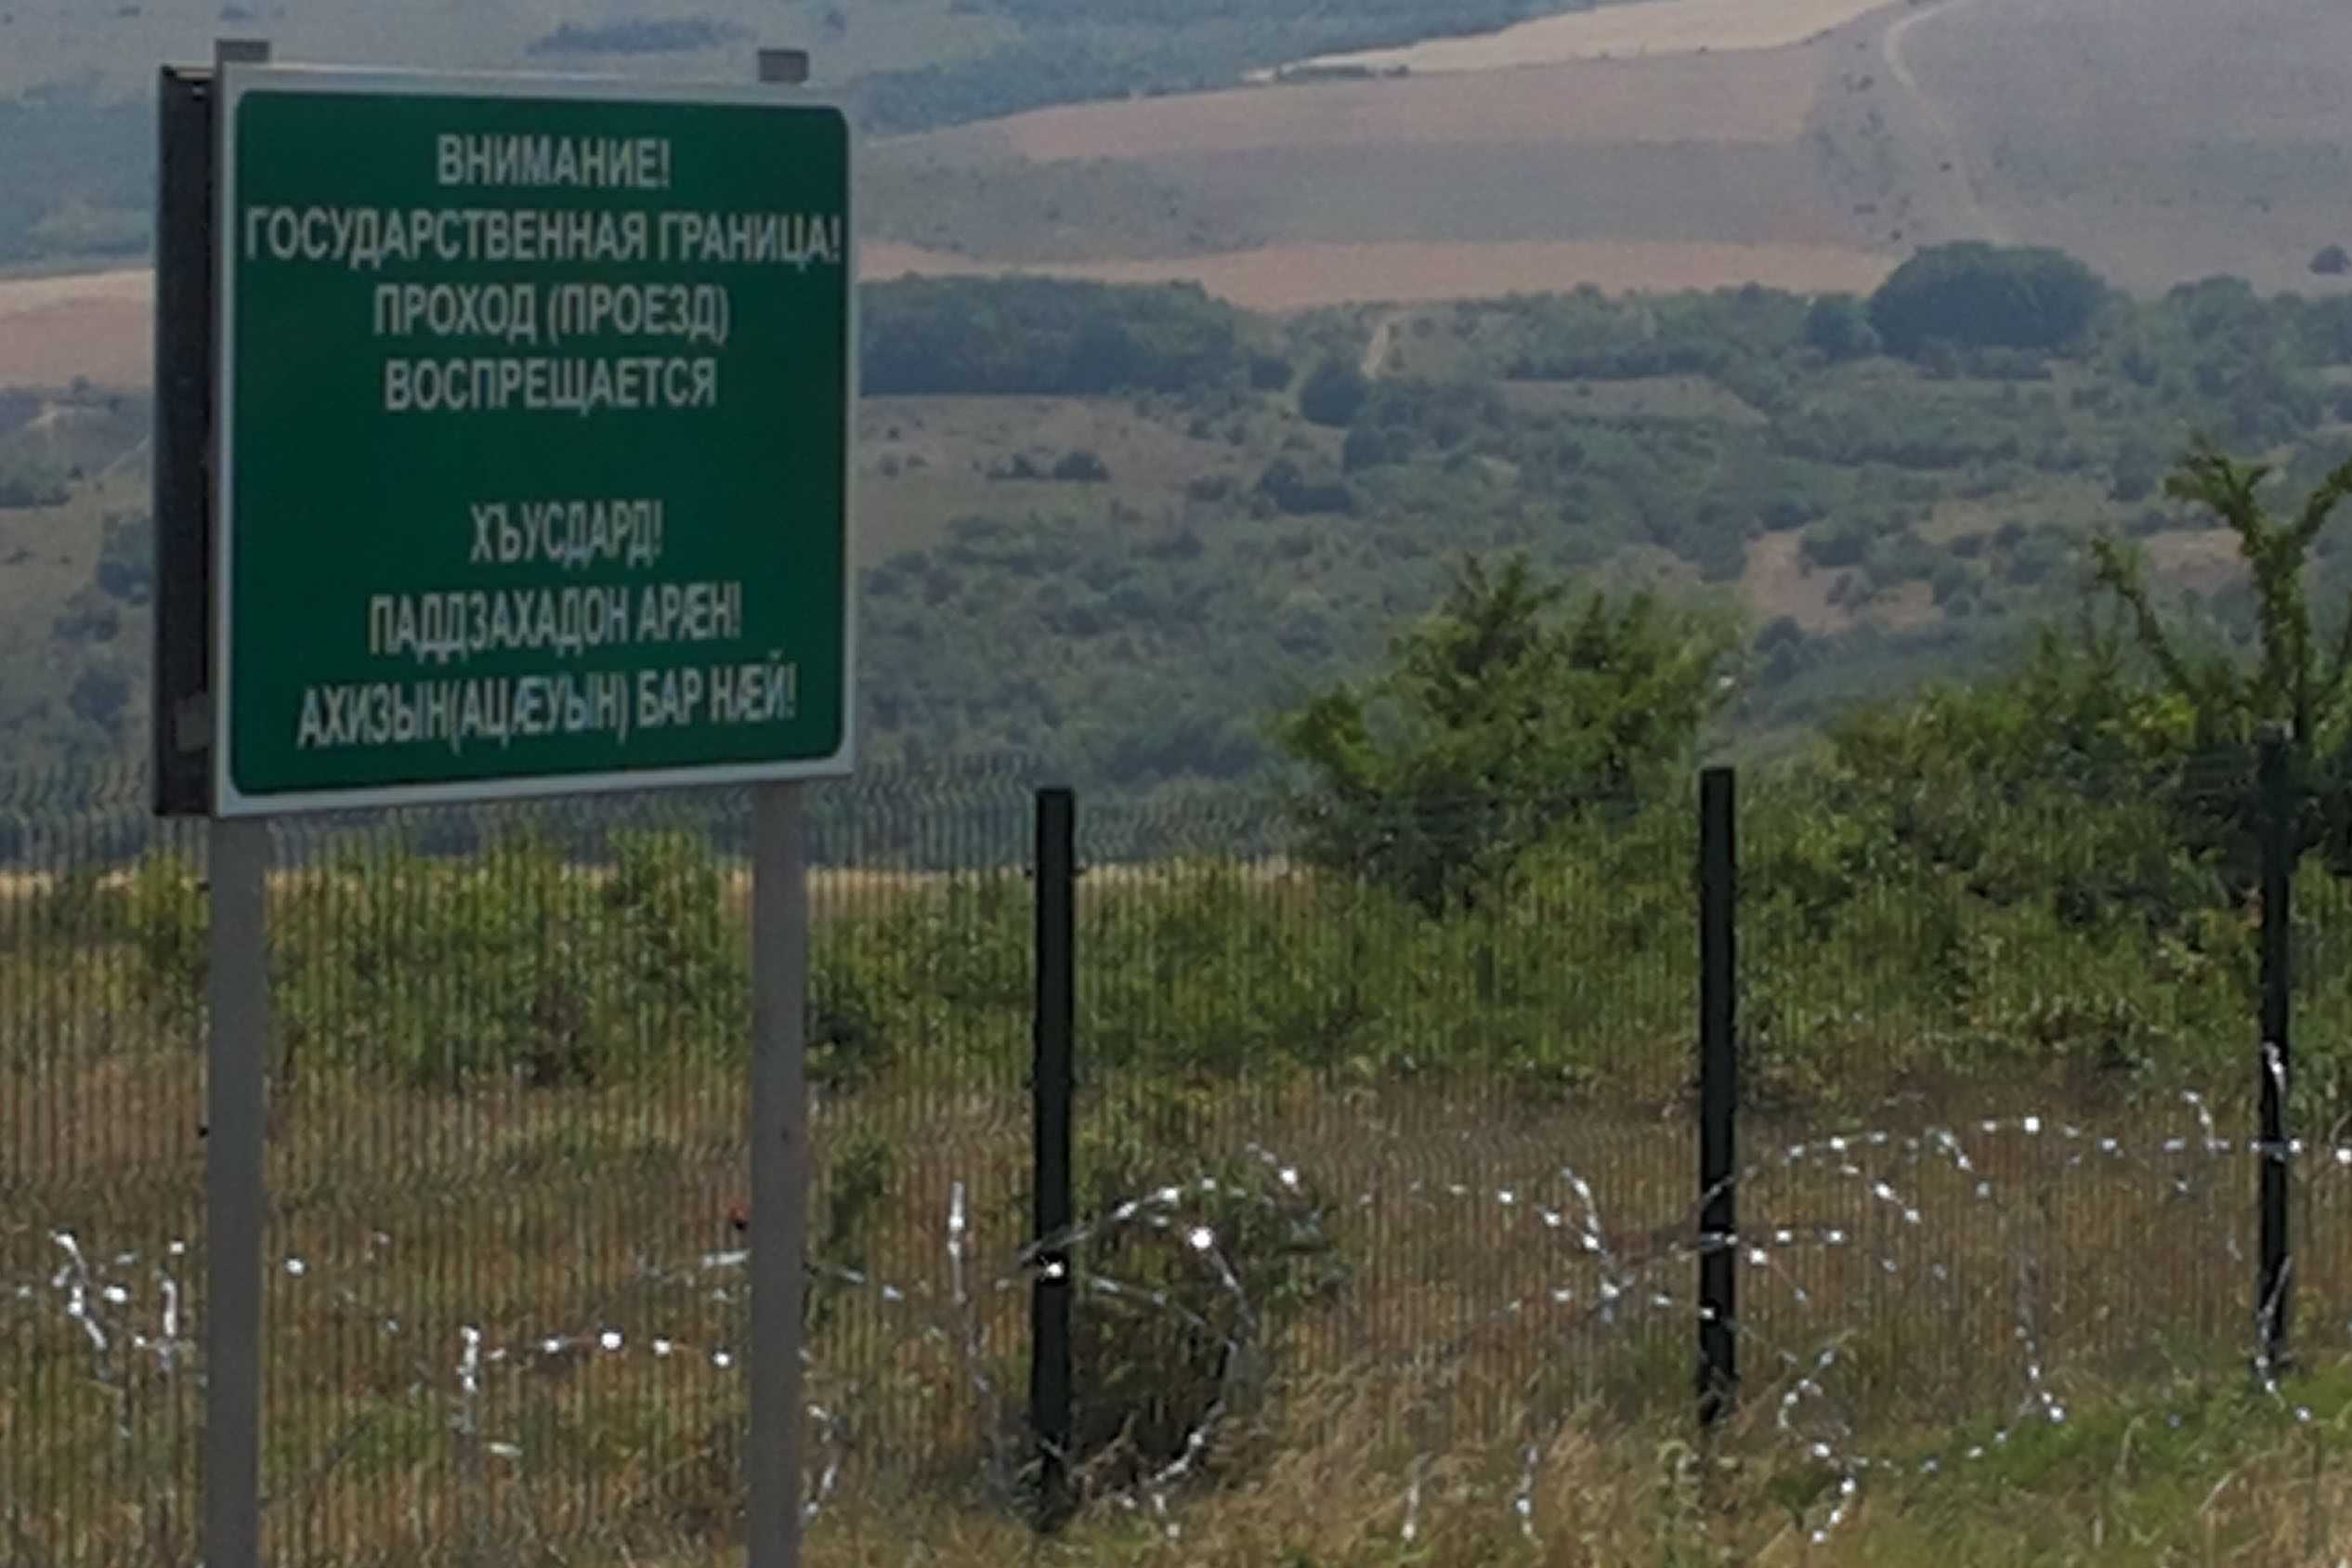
[[1333, 394], [1293, 492], [167, 922], [1083, 467], [27, 485]]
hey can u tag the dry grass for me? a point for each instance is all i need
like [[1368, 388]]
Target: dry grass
[[545, 1219], [2205, 561], [1778, 582], [2163, 141]]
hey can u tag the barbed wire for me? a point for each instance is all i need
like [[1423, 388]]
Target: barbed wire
[[127, 1311]]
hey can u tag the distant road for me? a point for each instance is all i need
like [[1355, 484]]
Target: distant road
[[1976, 219]]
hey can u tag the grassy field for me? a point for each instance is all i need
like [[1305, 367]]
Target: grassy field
[[926, 461], [1419, 1307]]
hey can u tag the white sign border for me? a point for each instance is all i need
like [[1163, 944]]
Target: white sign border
[[236, 80]]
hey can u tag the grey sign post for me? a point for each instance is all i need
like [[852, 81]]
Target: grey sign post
[[780, 1128], [758, 485], [237, 1007]]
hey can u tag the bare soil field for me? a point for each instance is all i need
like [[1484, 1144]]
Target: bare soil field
[[1696, 98], [1658, 27], [1281, 278], [1777, 582], [92, 324], [1695, 150]]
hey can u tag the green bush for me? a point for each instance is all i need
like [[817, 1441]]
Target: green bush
[[167, 923]]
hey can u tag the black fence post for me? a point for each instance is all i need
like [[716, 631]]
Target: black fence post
[[2274, 1286], [1719, 1093], [1052, 1086]]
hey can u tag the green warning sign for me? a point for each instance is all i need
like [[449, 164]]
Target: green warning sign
[[534, 408]]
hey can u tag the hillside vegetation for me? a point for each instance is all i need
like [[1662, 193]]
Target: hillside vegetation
[[1364, 1037], [1114, 529]]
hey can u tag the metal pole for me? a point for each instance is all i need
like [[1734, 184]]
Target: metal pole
[[237, 1045], [779, 1128], [2274, 1286], [237, 986], [179, 679], [1053, 1083], [779, 1171], [1719, 1093]]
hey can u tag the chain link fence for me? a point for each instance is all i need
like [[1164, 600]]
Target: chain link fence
[[1349, 1125]]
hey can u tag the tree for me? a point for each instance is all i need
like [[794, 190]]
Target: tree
[[1979, 296], [2292, 677], [2332, 261], [1497, 721], [2290, 681], [1839, 327]]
